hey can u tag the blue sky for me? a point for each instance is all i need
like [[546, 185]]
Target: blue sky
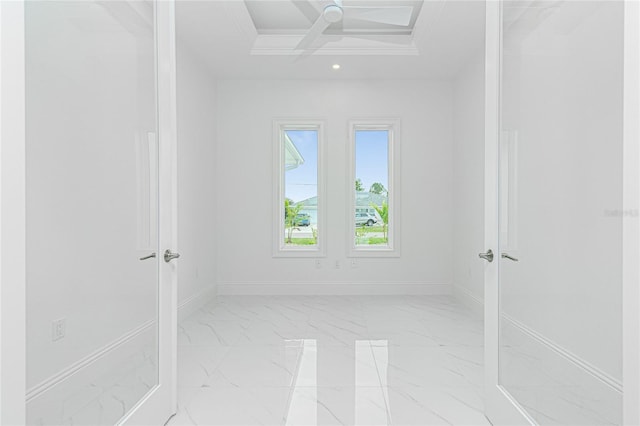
[[302, 182], [372, 158], [371, 162]]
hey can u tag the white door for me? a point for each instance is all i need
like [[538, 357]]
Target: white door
[[555, 212], [100, 176], [158, 406]]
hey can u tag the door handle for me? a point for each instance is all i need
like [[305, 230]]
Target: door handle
[[169, 256], [152, 255], [488, 256], [506, 256]]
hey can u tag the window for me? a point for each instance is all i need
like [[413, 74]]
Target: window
[[299, 199], [373, 198]]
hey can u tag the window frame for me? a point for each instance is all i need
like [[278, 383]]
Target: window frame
[[392, 249], [280, 249]]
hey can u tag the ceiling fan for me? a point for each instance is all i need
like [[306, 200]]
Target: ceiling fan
[[332, 11]]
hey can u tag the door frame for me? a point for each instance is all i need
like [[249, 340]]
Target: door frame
[[631, 221], [500, 407], [13, 217], [12, 214]]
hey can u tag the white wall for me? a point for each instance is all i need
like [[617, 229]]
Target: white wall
[[562, 107], [196, 179], [90, 108], [82, 192], [244, 181], [566, 108], [562, 99], [468, 183]]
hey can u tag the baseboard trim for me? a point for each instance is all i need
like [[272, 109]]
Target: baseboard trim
[[196, 301], [588, 368], [331, 288], [74, 368], [470, 300], [185, 308]]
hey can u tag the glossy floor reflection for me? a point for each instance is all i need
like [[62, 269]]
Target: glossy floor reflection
[[372, 360]]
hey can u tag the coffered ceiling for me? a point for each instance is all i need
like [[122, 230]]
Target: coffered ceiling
[[256, 39]]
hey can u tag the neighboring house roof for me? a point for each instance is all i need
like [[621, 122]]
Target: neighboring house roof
[[363, 199], [309, 202], [292, 157]]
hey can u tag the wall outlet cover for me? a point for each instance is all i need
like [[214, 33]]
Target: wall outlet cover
[[58, 329]]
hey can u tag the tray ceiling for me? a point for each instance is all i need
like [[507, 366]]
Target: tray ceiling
[[297, 16], [237, 40]]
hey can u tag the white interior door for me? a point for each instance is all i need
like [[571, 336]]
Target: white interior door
[[555, 212], [100, 144], [158, 406]]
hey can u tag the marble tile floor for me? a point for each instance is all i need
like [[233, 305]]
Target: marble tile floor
[[330, 360]]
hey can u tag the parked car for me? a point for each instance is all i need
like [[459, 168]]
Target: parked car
[[302, 219], [363, 219]]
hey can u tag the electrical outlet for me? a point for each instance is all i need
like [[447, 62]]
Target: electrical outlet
[[58, 329], [318, 264], [354, 263], [337, 264]]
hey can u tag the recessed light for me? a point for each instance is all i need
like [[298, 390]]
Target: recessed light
[[335, 66]]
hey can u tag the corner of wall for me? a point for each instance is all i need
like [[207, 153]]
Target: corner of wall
[[197, 216], [469, 300], [467, 189], [196, 301]]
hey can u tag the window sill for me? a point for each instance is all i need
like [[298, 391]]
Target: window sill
[[373, 252], [299, 252]]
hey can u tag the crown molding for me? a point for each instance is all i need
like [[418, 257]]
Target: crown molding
[[284, 45]]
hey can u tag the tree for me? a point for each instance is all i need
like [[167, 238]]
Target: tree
[[359, 185], [290, 212], [377, 188], [288, 202], [383, 212]]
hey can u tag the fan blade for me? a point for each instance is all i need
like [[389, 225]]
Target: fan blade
[[392, 15], [315, 31]]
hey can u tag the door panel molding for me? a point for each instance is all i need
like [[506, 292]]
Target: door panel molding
[[587, 368], [630, 224]]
